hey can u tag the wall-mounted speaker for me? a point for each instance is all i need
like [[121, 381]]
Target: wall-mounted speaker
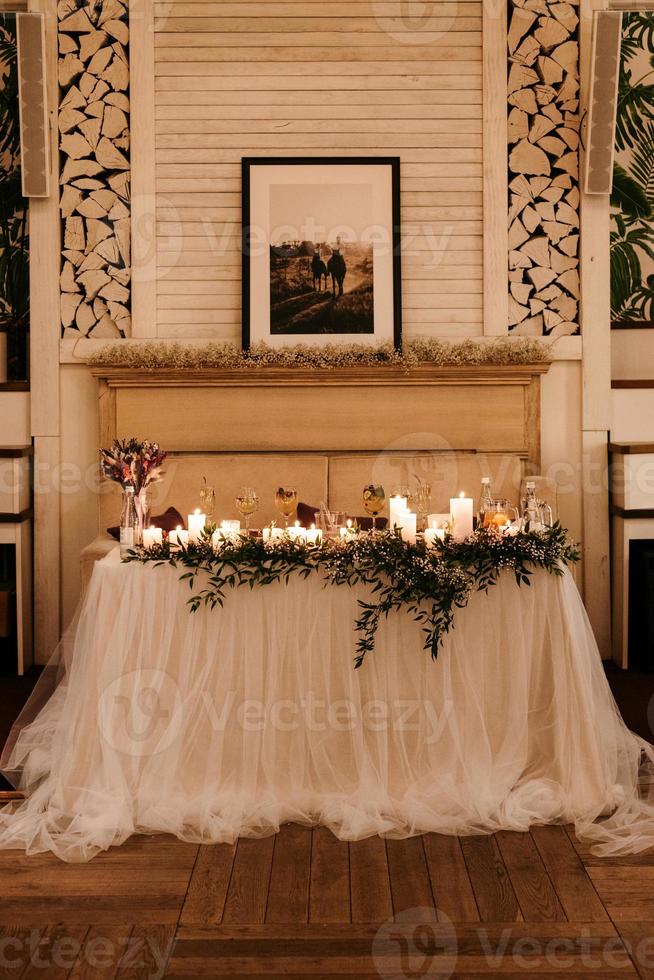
[[33, 104], [602, 102]]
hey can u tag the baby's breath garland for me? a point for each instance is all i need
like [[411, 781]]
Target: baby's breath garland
[[420, 350], [430, 583]]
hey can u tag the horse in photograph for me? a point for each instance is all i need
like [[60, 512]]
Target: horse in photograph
[[337, 269], [318, 269]]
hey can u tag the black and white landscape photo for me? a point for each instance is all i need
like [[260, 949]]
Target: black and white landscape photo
[[321, 284], [321, 252]]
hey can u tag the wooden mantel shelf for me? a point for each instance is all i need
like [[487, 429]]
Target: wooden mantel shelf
[[489, 408], [510, 374]]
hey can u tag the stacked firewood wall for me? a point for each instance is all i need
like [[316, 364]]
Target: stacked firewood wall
[[95, 178], [543, 95]]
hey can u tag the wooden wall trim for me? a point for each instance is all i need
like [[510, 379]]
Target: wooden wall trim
[[118, 377], [143, 204], [45, 256], [495, 181], [596, 373]]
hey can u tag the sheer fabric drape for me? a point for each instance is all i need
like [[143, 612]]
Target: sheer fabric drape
[[232, 721]]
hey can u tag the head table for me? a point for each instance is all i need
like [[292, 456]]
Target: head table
[[231, 721]]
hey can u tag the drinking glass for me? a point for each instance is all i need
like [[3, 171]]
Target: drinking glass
[[546, 514], [499, 512], [286, 502], [207, 499], [373, 501], [421, 500], [247, 504]]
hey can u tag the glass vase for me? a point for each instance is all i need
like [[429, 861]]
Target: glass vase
[[142, 506], [129, 524]]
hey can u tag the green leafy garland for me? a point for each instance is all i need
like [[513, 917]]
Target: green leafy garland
[[430, 583]]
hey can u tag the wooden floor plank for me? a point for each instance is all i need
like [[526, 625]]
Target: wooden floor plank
[[530, 969], [148, 953], [18, 943], [471, 937], [511, 949], [574, 888], [637, 937], [288, 897], [103, 951], [55, 955], [370, 885], [531, 883], [410, 881], [450, 880], [496, 899], [247, 894], [94, 910], [354, 966], [207, 890], [626, 892], [329, 895]]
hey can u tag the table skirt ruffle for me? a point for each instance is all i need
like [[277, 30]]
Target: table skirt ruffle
[[229, 722]]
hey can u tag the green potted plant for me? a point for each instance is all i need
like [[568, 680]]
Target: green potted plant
[[14, 241]]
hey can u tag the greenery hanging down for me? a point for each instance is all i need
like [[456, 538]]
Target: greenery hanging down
[[419, 350], [429, 583], [632, 197]]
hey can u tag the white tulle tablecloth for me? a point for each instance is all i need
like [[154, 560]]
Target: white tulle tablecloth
[[230, 721]]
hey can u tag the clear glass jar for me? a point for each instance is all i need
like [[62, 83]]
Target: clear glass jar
[[130, 532]]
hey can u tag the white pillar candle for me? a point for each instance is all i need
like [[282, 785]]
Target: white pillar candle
[[196, 522], [314, 536], [397, 507], [178, 537], [433, 534], [231, 527], [151, 536], [297, 533], [348, 532], [461, 511], [409, 527]]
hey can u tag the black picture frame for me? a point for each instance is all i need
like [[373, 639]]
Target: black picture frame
[[247, 165]]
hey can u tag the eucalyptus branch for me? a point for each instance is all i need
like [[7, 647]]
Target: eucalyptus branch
[[429, 583]]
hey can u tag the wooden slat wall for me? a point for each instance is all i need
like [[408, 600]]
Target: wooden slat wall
[[297, 78]]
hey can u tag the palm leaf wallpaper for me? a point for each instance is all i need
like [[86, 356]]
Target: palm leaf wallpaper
[[632, 198]]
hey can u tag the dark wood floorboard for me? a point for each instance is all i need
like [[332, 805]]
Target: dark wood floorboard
[[370, 885], [531, 883], [288, 897], [450, 881], [409, 874], [496, 899], [329, 895], [248, 888], [205, 898]]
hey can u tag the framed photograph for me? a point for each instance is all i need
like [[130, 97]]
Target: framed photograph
[[321, 250]]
